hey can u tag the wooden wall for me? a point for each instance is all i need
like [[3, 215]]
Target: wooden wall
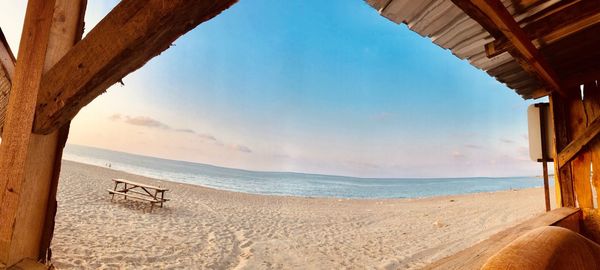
[[575, 130]]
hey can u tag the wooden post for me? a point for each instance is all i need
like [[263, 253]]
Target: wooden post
[[565, 196], [29, 163], [545, 156], [546, 186]]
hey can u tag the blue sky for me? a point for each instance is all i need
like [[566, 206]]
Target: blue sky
[[311, 86]]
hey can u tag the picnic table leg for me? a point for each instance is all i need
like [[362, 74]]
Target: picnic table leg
[[115, 189], [162, 198], [125, 191], [156, 196]]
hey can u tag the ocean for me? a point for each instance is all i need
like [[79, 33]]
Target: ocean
[[294, 184]]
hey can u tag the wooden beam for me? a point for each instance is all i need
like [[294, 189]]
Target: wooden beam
[[134, 32], [570, 18], [7, 69], [494, 17], [17, 127], [30, 163], [66, 31], [573, 148]]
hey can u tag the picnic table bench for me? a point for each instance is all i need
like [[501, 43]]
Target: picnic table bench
[[126, 188]]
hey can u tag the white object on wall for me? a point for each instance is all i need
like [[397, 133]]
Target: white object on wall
[[535, 131]]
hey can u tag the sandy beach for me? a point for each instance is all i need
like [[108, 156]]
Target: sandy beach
[[203, 228]]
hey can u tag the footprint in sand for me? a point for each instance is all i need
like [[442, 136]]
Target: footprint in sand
[[246, 244]]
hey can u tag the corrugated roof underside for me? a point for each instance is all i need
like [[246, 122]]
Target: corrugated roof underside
[[450, 28]]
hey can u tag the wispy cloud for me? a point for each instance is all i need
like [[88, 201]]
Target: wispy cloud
[[208, 137], [149, 122], [504, 140], [473, 146], [145, 122], [241, 148], [185, 130]]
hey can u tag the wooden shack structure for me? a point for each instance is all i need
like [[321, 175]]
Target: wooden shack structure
[[537, 48]]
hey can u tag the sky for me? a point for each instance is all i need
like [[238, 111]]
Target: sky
[[309, 86]]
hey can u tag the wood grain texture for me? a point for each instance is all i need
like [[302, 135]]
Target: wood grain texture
[[562, 174], [45, 151], [66, 31], [592, 105], [7, 58], [7, 70], [51, 206], [591, 224], [475, 256], [134, 32], [577, 145], [14, 148], [29, 236], [581, 163], [561, 20]]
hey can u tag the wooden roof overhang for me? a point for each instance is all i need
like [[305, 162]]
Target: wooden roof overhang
[[534, 47]]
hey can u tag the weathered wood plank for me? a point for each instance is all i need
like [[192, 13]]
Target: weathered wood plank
[[575, 147], [567, 18], [581, 164], [7, 58], [5, 85], [592, 105], [562, 175], [19, 119], [475, 256], [66, 31], [591, 224], [129, 36], [32, 217], [493, 15], [7, 70]]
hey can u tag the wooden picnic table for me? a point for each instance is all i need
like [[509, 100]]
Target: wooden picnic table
[[126, 188]]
